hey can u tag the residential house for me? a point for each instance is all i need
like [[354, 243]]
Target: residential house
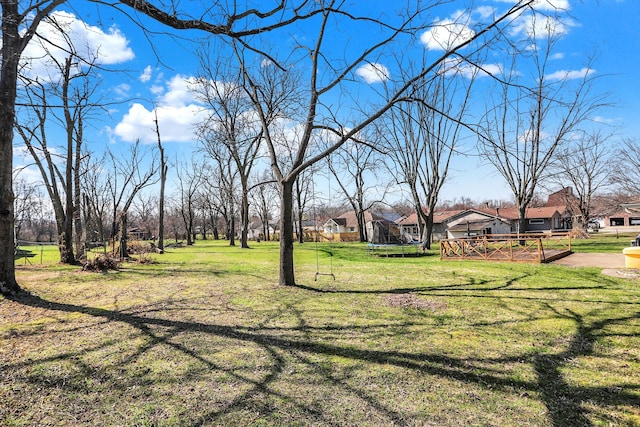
[[459, 223], [541, 219], [475, 222], [626, 217], [256, 231], [344, 227], [410, 224]]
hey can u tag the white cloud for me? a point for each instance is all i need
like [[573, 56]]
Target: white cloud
[[485, 11], [570, 75], [546, 5], [146, 74], [553, 5], [373, 72], [177, 124], [64, 32], [157, 89], [457, 66], [604, 120], [178, 114], [446, 34], [122, 90], [179, 91], [537, 26]]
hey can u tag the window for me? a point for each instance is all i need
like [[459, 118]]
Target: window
[[616, 222], [536, 221]]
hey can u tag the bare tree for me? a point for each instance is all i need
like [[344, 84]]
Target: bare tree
[[422, 141], [27, 203], [145, 213], [189, 178], [163, 181], [20, 21], [246, 27], [354, 167], [65, 97], [302, 195], [264, 195], [530, 121], [231, 125], [210, 200], [326, 76], [97, 203], [587, 165], [130, 173], [626, 173], [221, 178]]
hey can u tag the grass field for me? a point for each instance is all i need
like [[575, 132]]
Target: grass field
[[205, 336]]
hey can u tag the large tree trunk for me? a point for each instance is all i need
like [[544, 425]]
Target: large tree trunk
[[522, 224], [10, 57], [65, 240], [428, 238], [362, 226], [287, 276]]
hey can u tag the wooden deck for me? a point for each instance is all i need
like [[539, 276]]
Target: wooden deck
[[540, 248]]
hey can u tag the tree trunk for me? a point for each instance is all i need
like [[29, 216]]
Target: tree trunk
[[77, 196], [522, 223], [300, 230], [428, 230], [124, 253], [231, 230], [163, 179], [244, 213], [10, 58], [362, 227], [65, 240], [287, 276]]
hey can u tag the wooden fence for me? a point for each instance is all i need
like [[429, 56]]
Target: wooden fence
[[539, 248]]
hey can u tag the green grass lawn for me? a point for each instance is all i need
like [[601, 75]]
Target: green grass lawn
[[205, 336]]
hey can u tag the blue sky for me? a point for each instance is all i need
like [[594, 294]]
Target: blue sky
[[150, 71]]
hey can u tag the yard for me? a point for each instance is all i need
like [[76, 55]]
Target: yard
[[205, 336]]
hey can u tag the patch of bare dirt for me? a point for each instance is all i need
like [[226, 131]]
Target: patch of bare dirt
[[412, 301]]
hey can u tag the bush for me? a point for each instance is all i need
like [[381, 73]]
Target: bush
[[100, 263], [138, 247]]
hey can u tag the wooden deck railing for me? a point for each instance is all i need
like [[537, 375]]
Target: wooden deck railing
[[540, 248]]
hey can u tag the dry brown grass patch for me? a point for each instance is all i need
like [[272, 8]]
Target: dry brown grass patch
[[407, 300]]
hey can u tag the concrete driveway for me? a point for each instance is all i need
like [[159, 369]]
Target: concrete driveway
[[611, 264], [593, 260]]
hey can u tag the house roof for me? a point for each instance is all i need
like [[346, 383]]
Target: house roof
[[348, 219], [534, 213], [505, 214], [438, 217], [472, 225]]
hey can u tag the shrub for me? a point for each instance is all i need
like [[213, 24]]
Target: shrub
[[100, 263], [138, 247]]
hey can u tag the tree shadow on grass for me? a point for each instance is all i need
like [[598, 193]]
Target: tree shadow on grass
[[565, 402]]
